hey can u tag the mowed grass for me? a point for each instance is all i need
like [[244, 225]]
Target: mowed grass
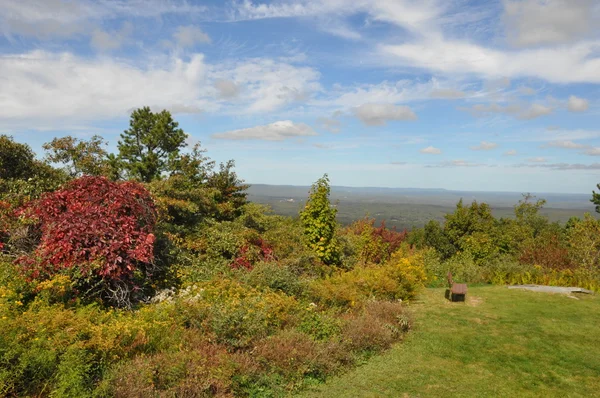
[[500, 343]]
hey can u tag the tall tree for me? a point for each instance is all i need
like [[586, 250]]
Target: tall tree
[[151, 145], [318, 220], [17, 161], [79, 157], [596, 199]]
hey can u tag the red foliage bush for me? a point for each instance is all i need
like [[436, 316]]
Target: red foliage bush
[[548, 252], [259, 247], [383, 241], [392, 237], [93, 221]]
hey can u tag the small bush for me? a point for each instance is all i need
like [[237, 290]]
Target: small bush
[[201, 370], [399, 278], [376, 327], [237, 315], [274, 276]]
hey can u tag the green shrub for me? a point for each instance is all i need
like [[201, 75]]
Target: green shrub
[[236, 314], [399, 278], [275, 277]]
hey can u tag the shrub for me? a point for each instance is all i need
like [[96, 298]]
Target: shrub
[[274, 276], [237, 315], [399, 278], [202, 369], [375, 244], [375, 327], [462, 266], [548, 251], [290, 353], [320, 325], [98, 228]]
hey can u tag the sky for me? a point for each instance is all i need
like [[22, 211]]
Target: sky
[[485, 95]]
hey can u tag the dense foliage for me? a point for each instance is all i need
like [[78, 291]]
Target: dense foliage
[[527, 248], [171, 284]]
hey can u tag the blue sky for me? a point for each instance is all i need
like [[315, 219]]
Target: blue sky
[[471, 95]]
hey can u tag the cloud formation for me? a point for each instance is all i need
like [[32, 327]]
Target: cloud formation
[[380, 114], [519, 111], [430, 150], [227, 89], [484, 146], [564, 144], [577, 104], [548, 22], [189, 36], [277, 131]]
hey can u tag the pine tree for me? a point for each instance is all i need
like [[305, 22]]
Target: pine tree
[[151, 145]]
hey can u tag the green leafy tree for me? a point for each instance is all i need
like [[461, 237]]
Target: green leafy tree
[[231, 191], [318, 221], [151, 145], [17, 161], [434, 236], [79, 157], [584, 243], [472, 228], [596, 199]]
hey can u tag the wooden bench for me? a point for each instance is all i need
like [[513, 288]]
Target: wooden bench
[[456, 291]]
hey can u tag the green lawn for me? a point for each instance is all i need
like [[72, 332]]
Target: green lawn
[[500, 342]]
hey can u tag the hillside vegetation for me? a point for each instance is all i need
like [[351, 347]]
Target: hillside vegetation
[[148, 273]]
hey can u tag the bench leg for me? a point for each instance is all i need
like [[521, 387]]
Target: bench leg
[[457, 297]]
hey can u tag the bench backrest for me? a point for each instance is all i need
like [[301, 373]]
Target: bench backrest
[[450, 281]]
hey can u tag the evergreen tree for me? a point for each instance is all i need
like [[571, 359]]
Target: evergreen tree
[[596, 199], [151, 145]]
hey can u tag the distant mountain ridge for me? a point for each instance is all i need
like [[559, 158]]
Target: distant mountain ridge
[[430, 196]]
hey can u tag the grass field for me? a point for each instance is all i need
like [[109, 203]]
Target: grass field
[[500, 343]]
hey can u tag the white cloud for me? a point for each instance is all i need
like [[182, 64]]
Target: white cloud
[[47, 19], [227, 89], [430, 150], [380, 114], [564, 144], [484, 146], [538, 159], [535, 22], [511, 152], [447, 93], [48, 88], [577, 104], [594, 151], [277, 131], [535, 111], [520, 111], [567, 64], [268, 85], [189, 36], [459, 163], [417, 17], [331, 124], [45, 87], [105, 41], [565, 166]]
